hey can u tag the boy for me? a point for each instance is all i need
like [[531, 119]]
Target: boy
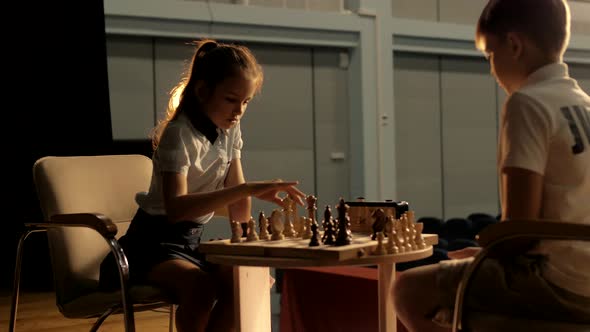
[[544, 170]]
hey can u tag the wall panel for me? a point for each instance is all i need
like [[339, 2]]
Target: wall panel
[[278, 125], [172, 60], [417, 9], [469, 127], [461, 11], [418, 132], [332, 127], [131, 86]]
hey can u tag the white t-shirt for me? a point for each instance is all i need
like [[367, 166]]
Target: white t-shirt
[[545, 128], [183, 149]]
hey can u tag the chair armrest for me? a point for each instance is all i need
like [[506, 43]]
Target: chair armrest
[[99, 222], [532, 229]]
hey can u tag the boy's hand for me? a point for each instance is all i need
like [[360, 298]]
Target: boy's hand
[[464, 253]]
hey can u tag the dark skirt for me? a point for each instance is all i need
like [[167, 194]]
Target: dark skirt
[[150, 240]]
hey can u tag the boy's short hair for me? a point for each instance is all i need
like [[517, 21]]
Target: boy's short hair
[[545, 22]]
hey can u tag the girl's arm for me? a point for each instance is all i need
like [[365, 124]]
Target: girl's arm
[[180, 205], [241, 209]]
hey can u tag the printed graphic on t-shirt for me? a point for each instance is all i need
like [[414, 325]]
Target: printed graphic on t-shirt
[[580, 128]]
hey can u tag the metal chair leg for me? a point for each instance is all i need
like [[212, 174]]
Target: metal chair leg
[[123, 267], [171, 322], [102, 318], [17, 273]]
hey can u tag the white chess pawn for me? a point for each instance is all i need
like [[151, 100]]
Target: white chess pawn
[[411, 216], [380, 249], [406, 233], [391, 247], [236, 231], [397, 235], [412, 236], [263, 226], [420, 243], [289, 230], [276, 225], [307, 232], [252, 235]]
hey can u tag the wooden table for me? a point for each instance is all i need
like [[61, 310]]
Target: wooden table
[[252, 260]]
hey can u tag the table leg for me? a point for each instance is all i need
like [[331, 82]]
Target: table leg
[[387, 316], [252, 298]]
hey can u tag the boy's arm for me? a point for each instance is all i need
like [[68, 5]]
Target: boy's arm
[[521, 200], [521, 192]]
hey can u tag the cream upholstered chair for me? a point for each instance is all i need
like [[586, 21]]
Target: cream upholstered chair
[[490, 239], [87, 203]]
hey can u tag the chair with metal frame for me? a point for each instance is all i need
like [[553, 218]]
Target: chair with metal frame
[[490, 239], [87, 203]]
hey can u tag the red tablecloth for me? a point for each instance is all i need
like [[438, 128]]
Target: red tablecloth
[[330, 299]]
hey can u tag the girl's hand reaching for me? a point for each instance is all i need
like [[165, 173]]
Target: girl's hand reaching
[[269, 191]]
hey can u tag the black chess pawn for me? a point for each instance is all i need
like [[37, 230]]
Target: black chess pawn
[[329, 236], [344, 235], [314, 241]]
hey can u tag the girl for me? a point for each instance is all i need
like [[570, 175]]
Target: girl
[[197, 170]]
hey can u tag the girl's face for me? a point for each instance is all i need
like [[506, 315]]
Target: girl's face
[[226, 104]]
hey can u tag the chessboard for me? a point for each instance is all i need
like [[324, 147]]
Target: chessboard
[[361, 245], [285, 235]]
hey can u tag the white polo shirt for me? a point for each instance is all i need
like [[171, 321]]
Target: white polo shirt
[[545, 128], [184, 149]]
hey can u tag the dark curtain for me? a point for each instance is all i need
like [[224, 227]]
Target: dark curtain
[[56, 102]]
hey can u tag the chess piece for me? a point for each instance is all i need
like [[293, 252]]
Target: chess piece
[[251, 233], [415, 234], [236, 231], [391, 246], [397, 237], [420, 243], [412, 235], [311, 207], [405, 232], [329, 236], [311, 201], [380, 219], [307, 232], [380, 248], [276, 225], [315, 236], [411, 216], [389, 210], [263, 226], [289, 230], [296, 219], [344, 235]]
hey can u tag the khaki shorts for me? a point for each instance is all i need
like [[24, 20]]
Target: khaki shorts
[[512, 287]]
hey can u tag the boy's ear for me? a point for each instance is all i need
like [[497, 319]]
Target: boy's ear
[[515, 44]]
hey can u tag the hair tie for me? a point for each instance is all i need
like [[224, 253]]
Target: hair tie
[[207, 47]]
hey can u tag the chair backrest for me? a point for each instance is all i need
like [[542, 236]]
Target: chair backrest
[[104, 184]]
